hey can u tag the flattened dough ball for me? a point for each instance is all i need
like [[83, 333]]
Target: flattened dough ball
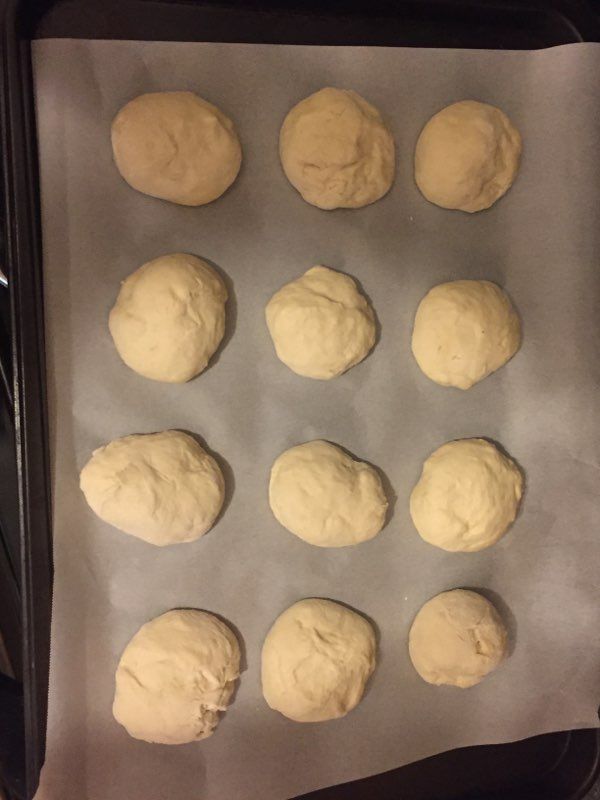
[[321, 325], [175, 676], [316, 661], [161, 487], [467, 496], [336, 150], [456, 639], [169, 318], [176, 146], [325, 497], [467, 156], [463, 331]]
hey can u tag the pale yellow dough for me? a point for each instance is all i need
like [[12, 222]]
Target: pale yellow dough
[[336, 150], [160, 487], [320, 324], [175, 677], [176, 146], [456, 639], [316, 661], [169, 318], [467, 496], [467, 156], [463, 331], [325, 497]]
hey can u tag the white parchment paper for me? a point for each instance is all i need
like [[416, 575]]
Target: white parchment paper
[[542, 242]]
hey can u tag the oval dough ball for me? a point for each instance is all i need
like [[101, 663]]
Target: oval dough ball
[[161, 487], [316, 661], [325, 497], [175, 676], [321, 325], [336, 150], [467, 496], [169, 318], [456, 639], [467, 156], [463, 331], [176, 146]]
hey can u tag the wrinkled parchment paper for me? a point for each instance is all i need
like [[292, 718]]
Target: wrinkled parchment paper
[[542, 242]]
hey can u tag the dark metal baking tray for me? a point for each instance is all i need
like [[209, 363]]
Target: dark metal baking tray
[[561, 765]]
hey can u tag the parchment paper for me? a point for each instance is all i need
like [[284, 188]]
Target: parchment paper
[[541, 242]]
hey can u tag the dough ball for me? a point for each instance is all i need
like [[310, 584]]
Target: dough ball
[[176, 146], [467, 496], [325, 497], [463, 331], [161, 487], [316, 661], [169, 318], [456, 639], [336, 150], [467, 156], [175, 676], [321, 325]]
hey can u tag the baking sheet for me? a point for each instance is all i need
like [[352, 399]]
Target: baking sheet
[[541, 242]]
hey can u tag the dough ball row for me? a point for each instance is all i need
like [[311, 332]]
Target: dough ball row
[[335, 150], [169, 319], [179, 671], [166, 489]]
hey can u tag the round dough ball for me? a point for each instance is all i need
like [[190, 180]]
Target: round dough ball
[[161, 487], [336, 150], [467, 496], [325, 497], [464, 331], [316, 661], [456, 639], [169, 318], [176, 146], [175, 676], [321, 325], [467, 156]]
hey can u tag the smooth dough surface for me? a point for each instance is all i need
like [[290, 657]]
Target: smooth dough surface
[[463, 331], [325, 497], [161, 487], [336, 150], [467, 156], [456, 639], [316, 661], [321, 325], [176, 146], [467, 496], [175, 676], [169, 318]]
